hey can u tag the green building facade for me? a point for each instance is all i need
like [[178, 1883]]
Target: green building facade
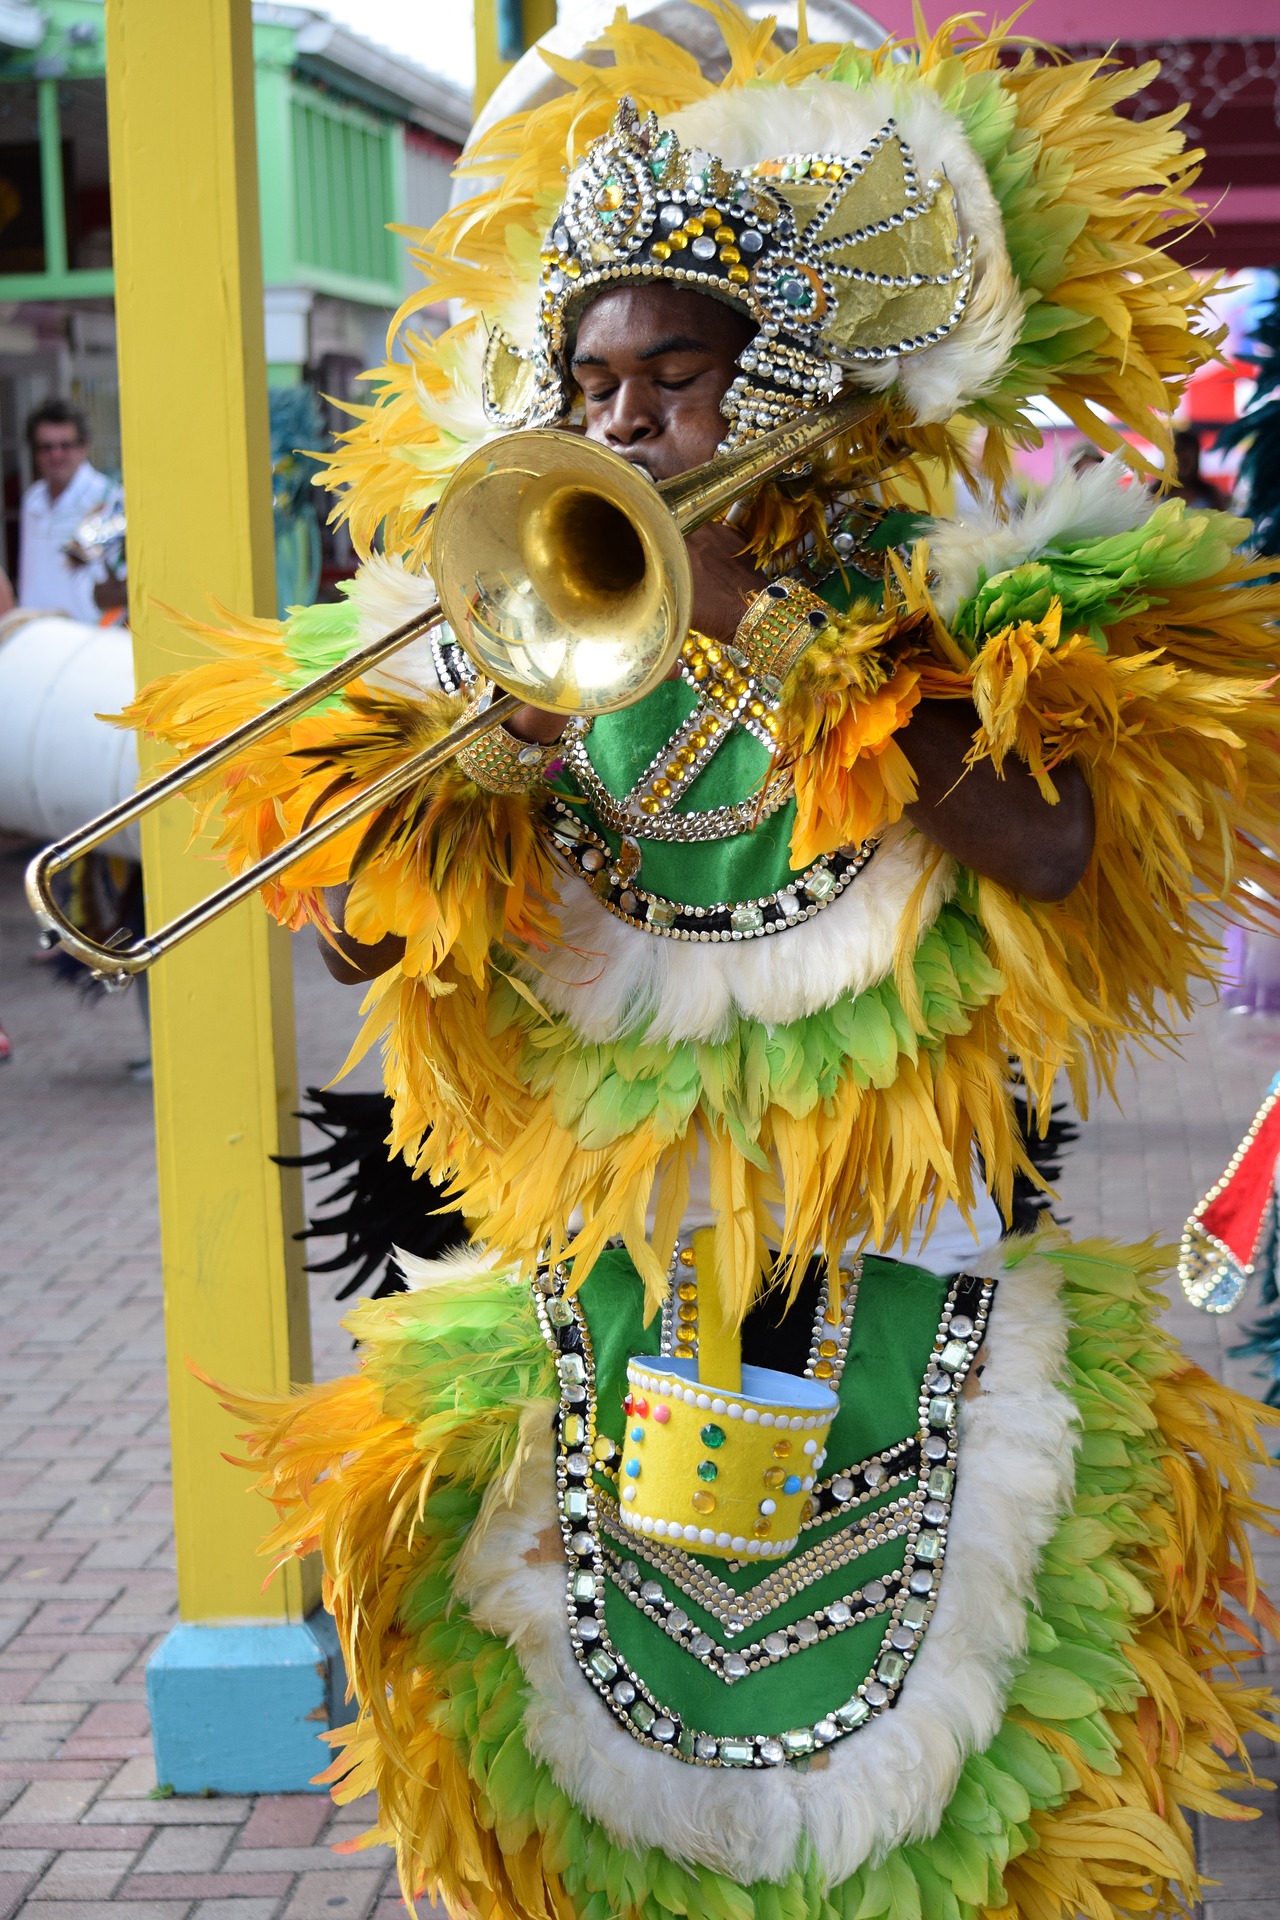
[[351, 141]]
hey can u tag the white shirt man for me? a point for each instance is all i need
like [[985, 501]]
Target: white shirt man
[[68, 490]]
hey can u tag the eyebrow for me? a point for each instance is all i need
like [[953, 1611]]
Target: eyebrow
[[672, 343]]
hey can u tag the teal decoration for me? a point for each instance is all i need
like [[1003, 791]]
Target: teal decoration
[[295, 426]]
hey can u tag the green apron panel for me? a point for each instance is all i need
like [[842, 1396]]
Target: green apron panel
[[894, 1324]]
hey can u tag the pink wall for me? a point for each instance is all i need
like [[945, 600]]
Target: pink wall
[[1072, 22]]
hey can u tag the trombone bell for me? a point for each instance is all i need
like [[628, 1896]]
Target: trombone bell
[[561, 571]]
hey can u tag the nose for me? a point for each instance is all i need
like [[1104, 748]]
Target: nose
[[633, 417]]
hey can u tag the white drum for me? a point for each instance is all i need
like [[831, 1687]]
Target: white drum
[[59, 764]]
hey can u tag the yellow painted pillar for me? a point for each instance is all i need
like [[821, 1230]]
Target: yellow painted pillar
[[539, 16], [197, 481]]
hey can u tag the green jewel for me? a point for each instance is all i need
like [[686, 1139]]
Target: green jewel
[[603, 1664], [821, 885], [643, 1715], [712, 1436], [891, 1669], [746, 919], [852, 1714], [913, 1614], [736, 1753], [953, 1355], [685, 1743], [940, 1483], [661, 154], [661, 913], [584, 1587], [575, 1504], [927, 1547], [560, 1313], [798, 1742], [708, 1470], [573, 1430]]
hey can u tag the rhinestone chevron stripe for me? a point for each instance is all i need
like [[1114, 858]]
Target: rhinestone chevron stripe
[[614, 879], [905, 1599], [695, 743], [732, 1664]]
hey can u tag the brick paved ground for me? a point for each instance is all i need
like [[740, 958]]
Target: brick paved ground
[[86, 1572]]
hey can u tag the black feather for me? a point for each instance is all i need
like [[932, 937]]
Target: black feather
[[379, 1205], [1044, 1150]]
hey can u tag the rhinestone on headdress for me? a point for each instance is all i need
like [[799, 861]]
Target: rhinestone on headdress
[[840, 260]]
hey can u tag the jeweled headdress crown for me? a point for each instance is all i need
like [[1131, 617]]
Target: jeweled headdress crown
[[841, 260]]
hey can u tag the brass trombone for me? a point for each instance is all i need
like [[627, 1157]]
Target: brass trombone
[[562, 572]]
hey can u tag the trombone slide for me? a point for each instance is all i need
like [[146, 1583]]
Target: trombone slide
[[115, 966]]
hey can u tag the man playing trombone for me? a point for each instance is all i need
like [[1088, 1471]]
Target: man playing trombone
[[706, 866]]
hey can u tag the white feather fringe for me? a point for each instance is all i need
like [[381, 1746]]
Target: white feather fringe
[[892, 1781], [385, 595], [610, 978], [980, 542]]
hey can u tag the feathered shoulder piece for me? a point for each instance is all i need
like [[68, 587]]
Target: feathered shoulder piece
[[447, 866], [1099, 626], [957, 222]]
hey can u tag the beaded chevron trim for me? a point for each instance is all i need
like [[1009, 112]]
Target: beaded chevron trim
[[697, 738], [613, 881], [906, 1601]]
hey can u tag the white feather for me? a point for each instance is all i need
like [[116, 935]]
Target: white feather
[[519, 312], [892, 1781], [608, 977], [385, 595], [979, 542], [471, 1262]]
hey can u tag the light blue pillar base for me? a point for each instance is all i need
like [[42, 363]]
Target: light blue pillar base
[[243, 1709]]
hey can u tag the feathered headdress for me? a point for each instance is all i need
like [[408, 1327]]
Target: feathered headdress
[[962, 223]]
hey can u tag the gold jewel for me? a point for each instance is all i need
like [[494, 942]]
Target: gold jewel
[[500, 763], [778, 626]]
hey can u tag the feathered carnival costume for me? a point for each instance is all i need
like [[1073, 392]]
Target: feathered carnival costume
[[923, 1610]]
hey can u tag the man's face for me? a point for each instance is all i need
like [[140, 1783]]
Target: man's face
[[654, 363], [58, 451]]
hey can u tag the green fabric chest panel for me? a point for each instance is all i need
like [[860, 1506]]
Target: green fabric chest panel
[[892, 1339], [713, 873], [693, 872], [621, 745], [845, 587]]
